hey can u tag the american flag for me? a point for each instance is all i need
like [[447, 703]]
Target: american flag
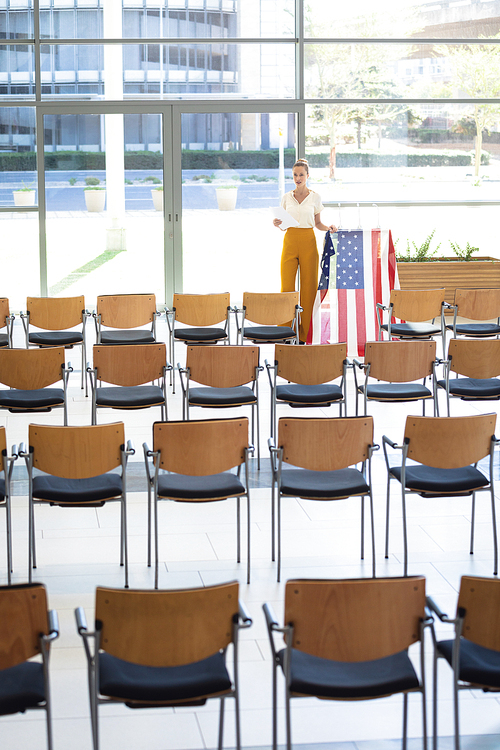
[[361, 273]]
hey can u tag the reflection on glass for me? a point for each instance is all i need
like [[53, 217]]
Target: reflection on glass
[[17, 156], [402, 18], [234, 168]]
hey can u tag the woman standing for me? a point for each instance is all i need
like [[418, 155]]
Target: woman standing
[[299, 244]]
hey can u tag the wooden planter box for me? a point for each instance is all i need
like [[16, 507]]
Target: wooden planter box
[[480, 273]]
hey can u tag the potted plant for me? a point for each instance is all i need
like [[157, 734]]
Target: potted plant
[[95, 196], [157, 196], [226, 197], [25, 196], [421, 268]]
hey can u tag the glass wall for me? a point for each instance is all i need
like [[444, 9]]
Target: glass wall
[[396, 106]]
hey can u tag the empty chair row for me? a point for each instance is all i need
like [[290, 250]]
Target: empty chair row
[[342, 639], [202, 461]]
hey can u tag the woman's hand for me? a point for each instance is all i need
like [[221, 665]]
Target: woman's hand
[[332, 228], [277, 222]]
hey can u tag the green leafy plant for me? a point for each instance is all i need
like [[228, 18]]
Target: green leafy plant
[[159, 189], [464, 253], [128, 182], [26, 188], [152, 179], [418, 253], [72, 180], [92, 181], [93, 187]]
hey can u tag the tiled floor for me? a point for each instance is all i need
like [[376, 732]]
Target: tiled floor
[[78, 549]]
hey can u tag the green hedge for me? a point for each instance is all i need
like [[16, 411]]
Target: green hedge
[[210, 160]]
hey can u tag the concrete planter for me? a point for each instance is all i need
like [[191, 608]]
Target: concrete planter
[[479, 273], [95, 200], [226, 198], [24, 197], [157, 196]]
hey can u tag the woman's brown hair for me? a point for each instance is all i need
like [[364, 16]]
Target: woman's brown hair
[[302, 163]]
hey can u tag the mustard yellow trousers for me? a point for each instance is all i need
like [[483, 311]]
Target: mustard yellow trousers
[[300, 251]]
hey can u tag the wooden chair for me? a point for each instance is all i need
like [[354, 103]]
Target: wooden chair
[[28, 373], [55, 316], [163, 648], [225, 370], [413, 306], [6, 321], [474, 651], [477, 305], [349, 640], [199, 456], [129, 312], [27, 630], [78, 463], [446, 450], [202, 313], [7, 466], [479, 361], [276, 315], [396, 365], [308, 372], [321, 452], [129, 368]]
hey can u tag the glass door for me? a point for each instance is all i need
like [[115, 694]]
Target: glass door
[[104, 203], [235, 167]]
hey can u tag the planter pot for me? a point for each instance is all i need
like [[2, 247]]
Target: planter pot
[[157, 196], [24, 197], [226, 198], [480, 273], [95, 200]]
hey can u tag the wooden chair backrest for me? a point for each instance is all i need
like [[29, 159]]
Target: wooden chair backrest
[[166, 628], [130, 365], [222, 366], [449, 442], [4, 311], [23, 618], [126, 310], [475, 358], [325, 444], [480, 597], [357, 619], [271, 309], [201, 309], [199, 448], [3, 443], [310, 365], [77, 452], [415, 305], [55, 313], [478, 304], [30, 369], [400, 361]]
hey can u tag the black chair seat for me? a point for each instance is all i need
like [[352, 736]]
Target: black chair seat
[[473, 387], [56, 338], [412, 329], [478, 664], [241, 394], [21, 687], [2, 489], [76, 491], [135, 682], [323, 484], [396, 391], [311, 675], [476, 329], [309, 394], [127, 337], [184, 487], [269, 333], [4, 339], [41, 398], [132, 397], [441, 481], [200, 334]]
